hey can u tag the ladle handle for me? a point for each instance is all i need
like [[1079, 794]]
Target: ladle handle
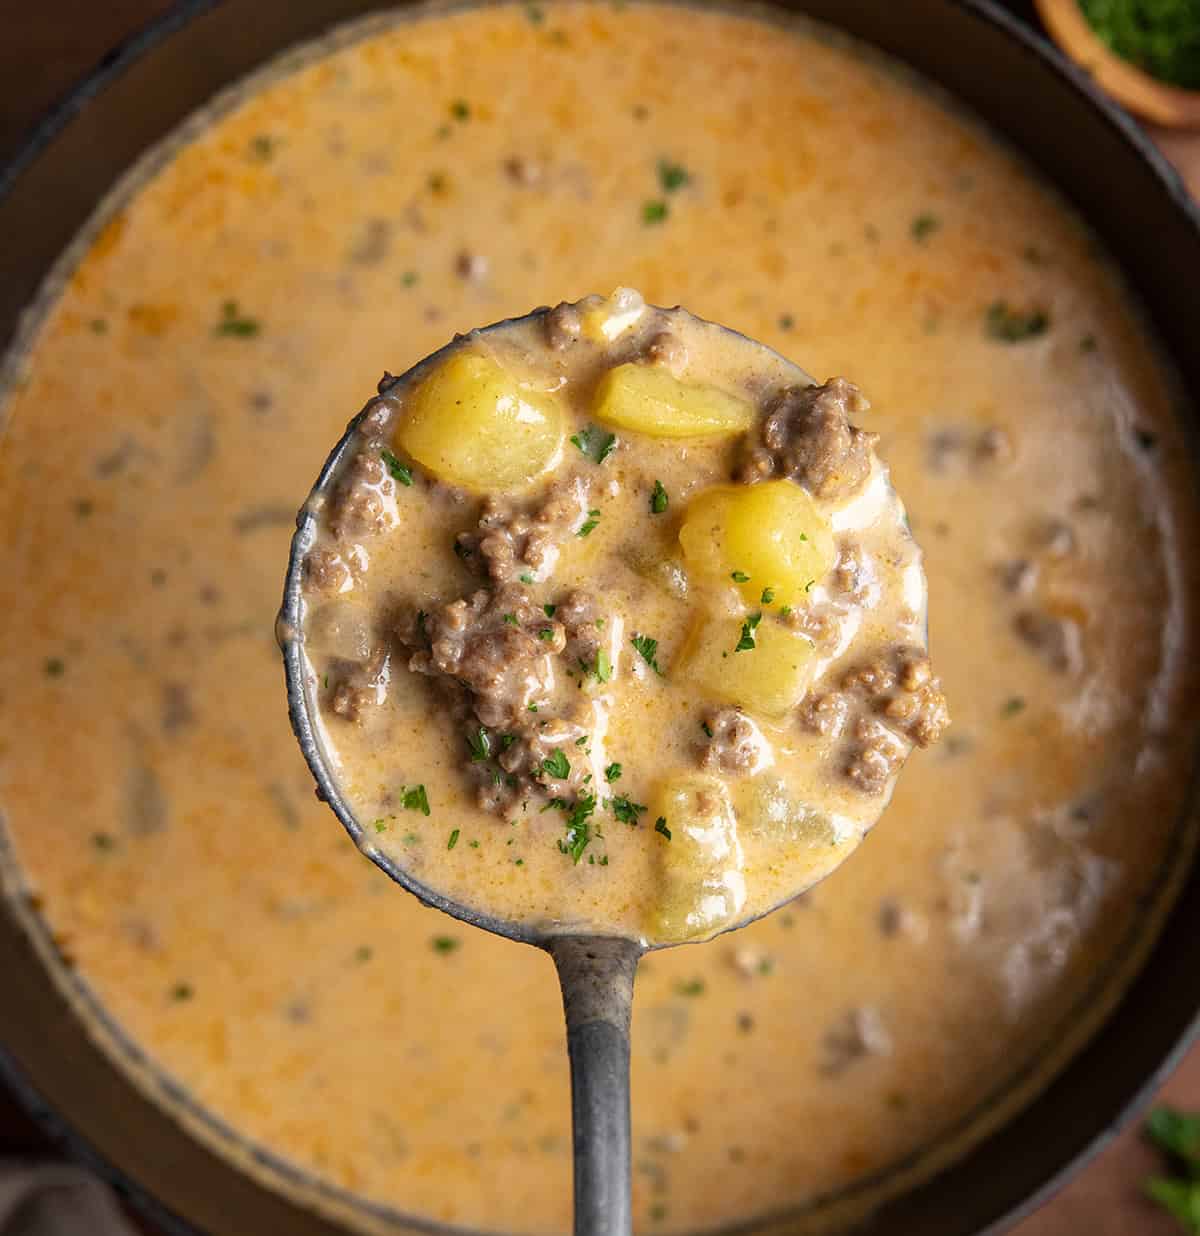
[[596, 974]]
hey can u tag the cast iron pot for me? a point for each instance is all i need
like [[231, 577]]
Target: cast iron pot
[[1027, 93]]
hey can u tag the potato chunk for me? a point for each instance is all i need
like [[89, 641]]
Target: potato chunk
[[650, 400], [766, 536], [702, 887], [756, 663], [472, 423]]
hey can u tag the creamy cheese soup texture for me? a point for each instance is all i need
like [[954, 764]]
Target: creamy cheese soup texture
[[350, 217], [479, 610]]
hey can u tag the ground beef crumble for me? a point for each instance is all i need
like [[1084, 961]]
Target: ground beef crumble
[[735, 746], [886, 705], [806, 434], [515, 539]]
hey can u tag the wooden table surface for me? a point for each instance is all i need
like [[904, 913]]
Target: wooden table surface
[[49, 45]]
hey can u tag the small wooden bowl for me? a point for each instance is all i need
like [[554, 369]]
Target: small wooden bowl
[[1138, 91]]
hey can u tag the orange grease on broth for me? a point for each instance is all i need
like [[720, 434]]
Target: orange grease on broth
[[148, 775]]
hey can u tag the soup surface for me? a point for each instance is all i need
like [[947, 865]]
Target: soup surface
[[477, 613], [349, 217]]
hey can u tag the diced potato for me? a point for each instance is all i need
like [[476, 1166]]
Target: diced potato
[[772, 812], [771, 533], [472, 423], [648, 399], [768, 679], [702, 887]]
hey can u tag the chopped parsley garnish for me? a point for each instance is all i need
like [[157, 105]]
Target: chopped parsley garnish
[[579, 829], [235, 323], [924, 226], [660, 826], [364, 952], [1177, 1135], [533, 708], [546, 633], [739, 577], [510, 620], [557, 765], [654, 211], [526, 578], [581, 741], [708, 729], [398, 471], [690, 987], [590, 523], [548, 610], [648, 648], [786, 321], [506, 741], [625, 809], [672, 176], [784, 610], [480, 743], [534, 14], [460, 109], [262, 147], [104, 842], [415, 799], [596, 444], [1160, 37], [55, 667], [453, 841], [1008, 325], [658, 498], [768, 595], [182, 991], [612, 773], [410, 278], [98, 326], [445, 944], [603, 667], [381, 825], [746, 643], [1013, 706]]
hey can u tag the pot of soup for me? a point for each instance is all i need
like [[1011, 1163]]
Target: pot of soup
[[254, 206]]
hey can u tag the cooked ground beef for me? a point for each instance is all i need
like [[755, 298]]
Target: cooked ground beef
[[667, 350], [818, 622], [497, 644], [515, 539], [564, 325], [807, 435], [359, 505], [358, 686], [495, 654], [888, 704], [1056, 640], [735, 745], [326, 571], [853, 576]]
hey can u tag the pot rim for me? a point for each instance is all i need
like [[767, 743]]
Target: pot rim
[[1034, 44]]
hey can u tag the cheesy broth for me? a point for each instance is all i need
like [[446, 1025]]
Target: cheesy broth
[[349, 216]]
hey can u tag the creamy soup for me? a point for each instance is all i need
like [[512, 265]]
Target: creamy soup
[[479, 610], [349, 216]]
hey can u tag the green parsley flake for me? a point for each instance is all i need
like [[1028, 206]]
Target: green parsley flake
[[603, 667], [672, 176], [654, 211], [453, 839], [924, 226], [415, 799], [445, 944], [786, 321], [104, 842], [236, 324], [262, 147], [526, 578], [1007, 325], [510, 620], [506, 741], [579, 829], [625, 809], [410, 278], [590, 523], [596, 444], [549, 610], [480, 743], [1013, 706], [708, 729], [658, 499], [648, 648], [768, 595], [397, 470], [660, 826], [182, 991], [746, 643], [364, 952], [557, 765], [612, 773], [690, 987], [739, 577], [460, 109], [54, 667], [546, 633]]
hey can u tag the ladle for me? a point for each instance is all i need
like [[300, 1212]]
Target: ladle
[[596, 973]]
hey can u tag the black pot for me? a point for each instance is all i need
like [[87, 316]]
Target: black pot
[[1027, 93]]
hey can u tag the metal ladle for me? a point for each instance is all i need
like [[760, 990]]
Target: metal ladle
[[595, 972]]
